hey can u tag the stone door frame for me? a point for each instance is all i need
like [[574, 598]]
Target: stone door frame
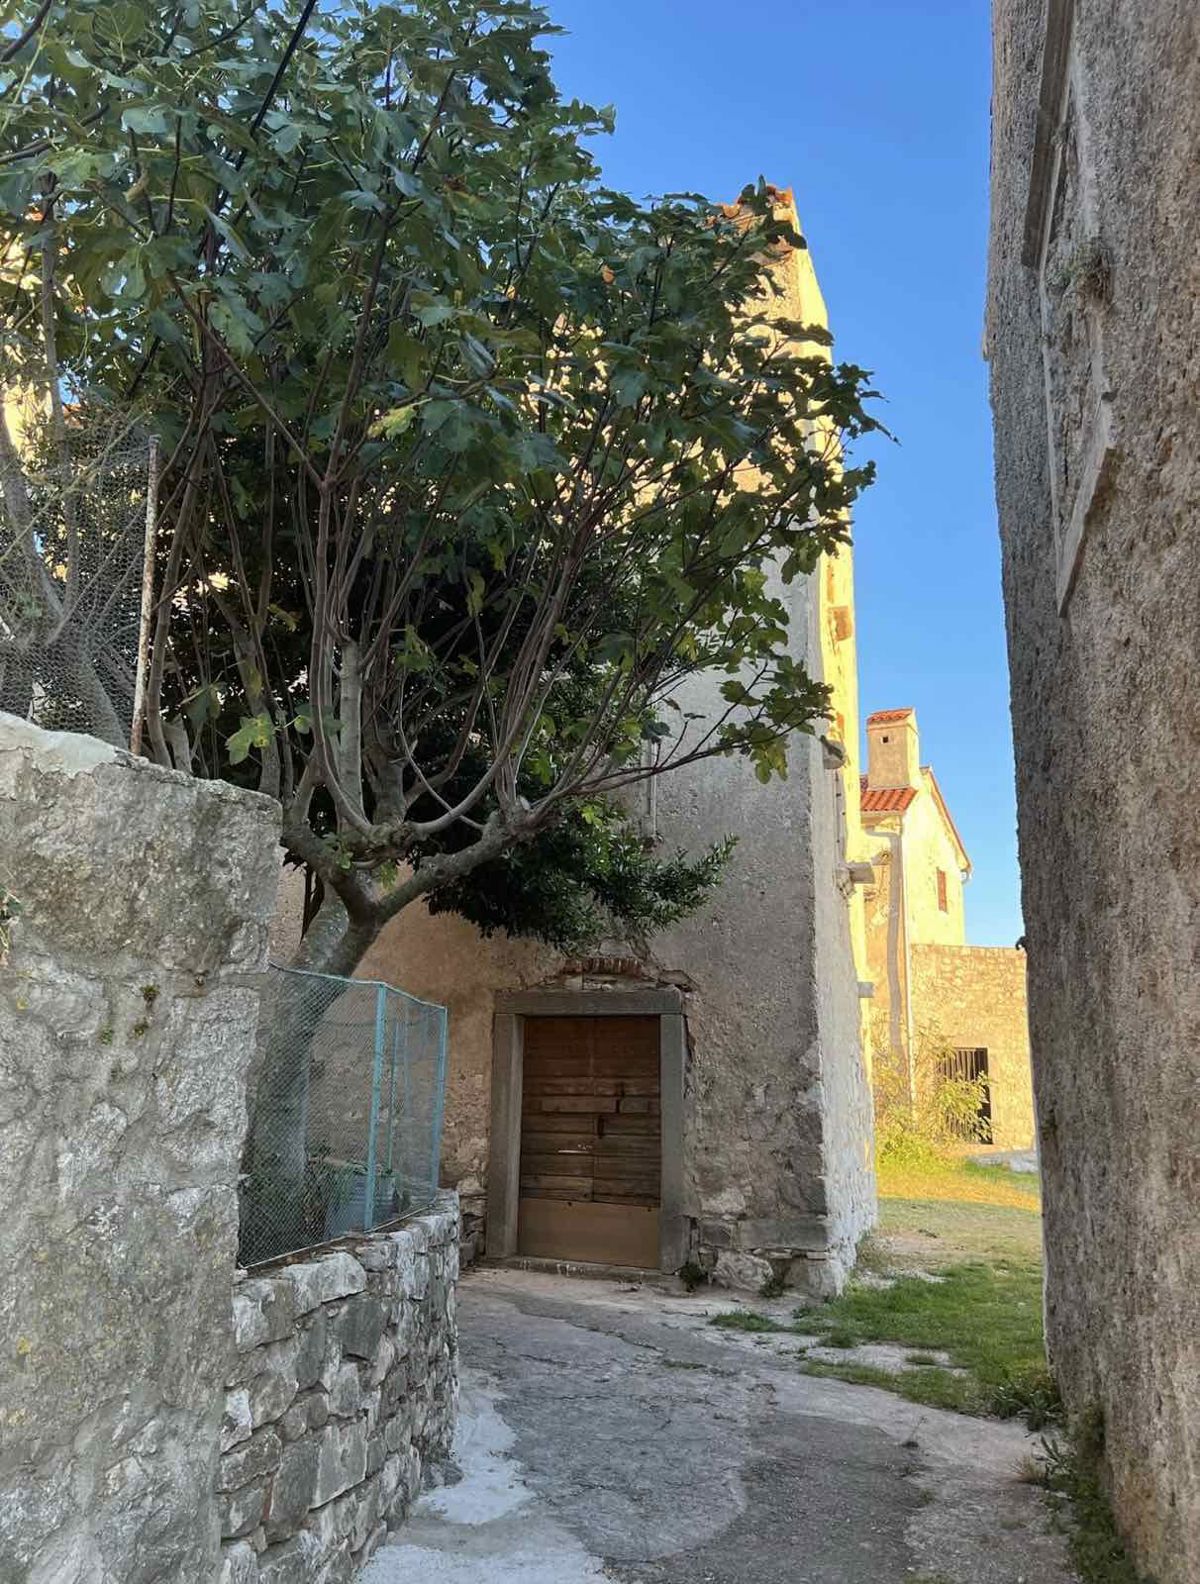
[[512, 1007]]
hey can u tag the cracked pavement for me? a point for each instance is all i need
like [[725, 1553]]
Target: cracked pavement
[[610, 1433]]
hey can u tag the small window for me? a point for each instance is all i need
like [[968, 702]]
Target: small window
[[943, 900], [970, 1066]]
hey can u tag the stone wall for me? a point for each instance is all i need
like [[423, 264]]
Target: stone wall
[[968, 996], [1094, 317], [343, 1392], [127, 1014]]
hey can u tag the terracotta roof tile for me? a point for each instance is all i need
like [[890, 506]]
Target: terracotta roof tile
[[885, 800], [882, 716]]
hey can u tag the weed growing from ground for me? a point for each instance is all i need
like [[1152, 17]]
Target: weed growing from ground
[[692, 1274], [1070, 1471], [747, 1320]]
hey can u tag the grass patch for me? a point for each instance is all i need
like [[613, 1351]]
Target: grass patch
[[986, 1319], [978, 1228], [747, 1320], [932, 1388], [946, 1210]]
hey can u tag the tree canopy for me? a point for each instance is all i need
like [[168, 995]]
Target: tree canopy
[[469, 462]]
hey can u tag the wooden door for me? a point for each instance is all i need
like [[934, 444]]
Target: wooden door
[[591, 1149]]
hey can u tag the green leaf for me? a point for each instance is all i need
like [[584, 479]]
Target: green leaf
[[628, 385], [145, 119], [255, 731], [391, 425], [433, 314]]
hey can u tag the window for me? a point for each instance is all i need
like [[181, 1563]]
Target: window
[[969, 1066], [943, 896]]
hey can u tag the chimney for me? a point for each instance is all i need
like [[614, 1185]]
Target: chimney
[[893, 749]]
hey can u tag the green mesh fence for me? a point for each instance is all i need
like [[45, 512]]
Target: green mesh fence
[[346, 1112]]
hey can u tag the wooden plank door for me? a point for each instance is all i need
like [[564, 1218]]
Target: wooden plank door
[[591, 1144]]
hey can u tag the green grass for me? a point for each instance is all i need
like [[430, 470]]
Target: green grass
[[746, 1320], [946, 1211], [985, 1318], [978, 1230]]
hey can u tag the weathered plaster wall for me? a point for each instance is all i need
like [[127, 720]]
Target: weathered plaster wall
[[777, 1112], [127, 1014], [342, 1392], [1106, 713], [968, 996], [928, 848]]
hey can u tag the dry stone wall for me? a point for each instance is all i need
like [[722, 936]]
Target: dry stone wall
[[343, 1392]]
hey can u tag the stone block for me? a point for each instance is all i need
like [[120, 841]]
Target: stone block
[[324, 1280], [273, 1387], [297, 1561], [236, 1423], [345, 1395], [783, 1233], [377, 1255], [251, 1461], [294, 1423], [420, 1277], [361, 1324], [741, 1272], [239, 1564], [292, 1489], [342, 1462], [241, 1510], [385, 1357], [250, 1325], [372, 1543], [332, 1523], [365, 1515], [310, 1351], [406, 1319]]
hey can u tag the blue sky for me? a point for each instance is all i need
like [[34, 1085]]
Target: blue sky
[[876, 113]]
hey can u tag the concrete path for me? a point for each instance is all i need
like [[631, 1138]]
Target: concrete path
[[611, 1434]]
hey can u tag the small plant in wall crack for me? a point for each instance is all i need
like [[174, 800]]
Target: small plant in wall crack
[[10, 912]]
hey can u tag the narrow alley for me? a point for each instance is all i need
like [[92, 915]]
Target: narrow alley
[[608, 1432]]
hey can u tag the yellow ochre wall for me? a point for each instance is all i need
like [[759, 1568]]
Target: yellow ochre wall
[[972, 996]]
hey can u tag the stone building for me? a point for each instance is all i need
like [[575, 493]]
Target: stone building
[[1093, 334], [941, 1006], [702, 1096]]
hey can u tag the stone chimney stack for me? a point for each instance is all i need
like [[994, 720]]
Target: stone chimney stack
[[893, 749]]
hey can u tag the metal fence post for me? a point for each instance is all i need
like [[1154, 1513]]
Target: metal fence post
[[391, 1122], [376, 1087], [439, 1098]]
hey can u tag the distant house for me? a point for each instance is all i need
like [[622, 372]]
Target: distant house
[[955, 1009]]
